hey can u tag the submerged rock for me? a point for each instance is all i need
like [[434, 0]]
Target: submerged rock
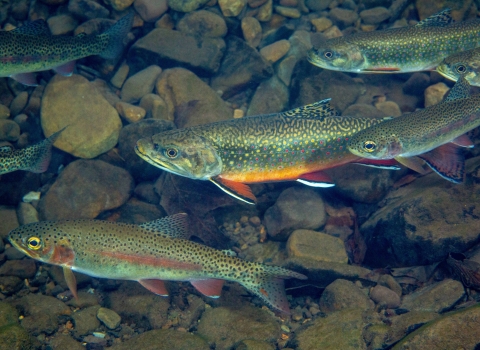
[[343, 295], [317, 246], [164, 339]]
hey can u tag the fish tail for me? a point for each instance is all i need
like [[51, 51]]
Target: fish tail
[[270, 286], [44, 153], [115, 35]]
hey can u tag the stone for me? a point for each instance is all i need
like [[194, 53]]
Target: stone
[[19, 103], [145, 191], [108, 317], [10, 284], [137, 212], [9, 220], [155, 106], [9, 130], [242, 67], [385, 296], [140, 169], [375, 15], [223, 327], [390, 282], [171, 48], [121, 5], [85, 299], [129, 112], [363, 110], [316, 246], [342, 17], [64, 341], [14, 336], [273, 52], [62, 24], [437, 297], [13, 253], [296, 207], [150, 11], [56, 274], [84, 189], [231, 8], [85, 321], [93, 127], [26, 213], [321, 24], [332, 32], [120, 76], [264, 13], [140, 84], [203, 23], [285, 68], [343, 295], [87, 9], [427, 8], [163, 339], [406, 323], [5, 111], [453, 331], [389, 108], [186, 6], [19, 268], [252, 31], [416, 84], [254, 345], [190, 101], [288, 12], [317, 5], [435, 93], [271, 96], [8, 314]]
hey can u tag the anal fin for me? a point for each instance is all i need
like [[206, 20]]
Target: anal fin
[[463, 141], [235, 189], [29, 79], [448, 161], [209, 287], [316, 179], [155, 286], [65, 69], [390, 164]]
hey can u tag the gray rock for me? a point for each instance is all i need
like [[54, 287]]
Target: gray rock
[[186, 6], [363, 110], [254, 345], [407, 323], [316, 246], [375, 15], [416, 84], [62, 24], [9, 220], [163, 339], [13, 253], [140, 84], [284, 69], [85, 299], [203, 23], [137, 212], [296, 207], [437, 297], [342, 17], [8, 314], [84, 189], [25, 268], [26, 213], [85, 321], [343, 295], [317, 5], [19, 103], [171, 48], [223, 327], [155, 106], [149, 10], [252, 31], [385, 296], [87, 9], [271, 96], [242, 67], [459, 8], [145, 191], [390, 282], [9, 130]]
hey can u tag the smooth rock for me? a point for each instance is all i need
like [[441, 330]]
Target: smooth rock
[[62, 24], [332, 32], [317, 246], [93, 127], [271, 96], [295, 208], [288, 12], [5, 111], [273, 52], [121, 5], [155, 106], [416, 84], [163, 339], [87, 9], [64, 341], [85, 299], [265, 11], [389, 108], [434, 94], [25, 268], [390, 282], [137, 212], [13, 253], [231, 8], [186, 6], [145, 191], [85, 321], [19, 103], [427, 8], [252, 31], [8, 314], [14, 336], [26, 213], [84, 189], [120, 76], [385, 296], [343, 295], [375, 15], [363, 110], [203, 23], [140, 84], [317, 5], [321, 24], [223, 327], [190, 101], [129, 112], [254, 345], [285, 69], [9, 130], [109, 318], [9, 220], [406, 323], [149, 10], [10, 284], [343, 17]]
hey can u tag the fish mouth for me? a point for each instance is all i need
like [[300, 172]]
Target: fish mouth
[[312, 57], [166, 166]]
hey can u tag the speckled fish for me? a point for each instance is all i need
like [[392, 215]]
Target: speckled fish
[[291, 146], [149, 253], [408, 49], [466, 63], [434, 134], [31, 48], [35, 158]]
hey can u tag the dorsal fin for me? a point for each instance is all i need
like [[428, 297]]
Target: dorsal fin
[[318, 109], [441, 19], [38, 27], [173, 226], [461, 89]]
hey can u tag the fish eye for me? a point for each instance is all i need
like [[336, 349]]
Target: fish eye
[[461, 68], [34, 243], [171, 153], [328, 54], [369, 146]]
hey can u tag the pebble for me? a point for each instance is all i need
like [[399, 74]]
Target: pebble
[[129, 112], [203, 23], [385, 296], [140, 84], [109, 318], [31, 196], [9, 130], [155, 106], [231, 8], [375, 15], [434, 94], [186, 6], [332, 32], [317, 246], [87, 9], [120, 5], [62, 24], [343, 17], [238, 113], [389, 108], [273, 52], [252, 31], [9, 220], [287, 11], [416, 84], [5, 111], [26, 213], [150, 10], [265, 11], [342, 295], [85, 321], [120, 76], [18, 103], [321, 24]]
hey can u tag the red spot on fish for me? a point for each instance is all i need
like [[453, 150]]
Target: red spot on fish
[[256, 159], [346, 138], [340, 148], [313, 150], [303, 151], [328, 153], [151, 261], [264, 148], [280, 159], [339, 139], [286, 150], [264, 292], [321, 142]]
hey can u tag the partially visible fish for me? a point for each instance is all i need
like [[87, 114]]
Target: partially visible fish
[[35, 158], [434, 134], [465, 63], [291, 146], [31, 48], [149, 253], [407, 49]]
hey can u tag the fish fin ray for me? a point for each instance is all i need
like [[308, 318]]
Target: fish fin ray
[[440, 19], [43, 161], [35, 28], [65, 69], [414, 163], [211, 287], [463, 141], [71, 281], [115, 36], [448, 161], [29, 79], [316, 179], [155, 286], [316, 110], [460, 90], [175, 226], [235, 189], [389, 164]]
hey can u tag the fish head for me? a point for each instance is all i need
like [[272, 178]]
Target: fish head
[[465, 64], [181, 152], [375, 143], [337, 54], [43, 241]]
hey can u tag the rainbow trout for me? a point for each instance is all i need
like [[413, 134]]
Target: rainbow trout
[[149, 253], [433, 134], [31, 48], [466, 63], [407, 49], [291, 146], [35, 158]]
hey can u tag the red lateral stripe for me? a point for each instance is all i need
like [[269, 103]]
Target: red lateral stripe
[[152, 261]]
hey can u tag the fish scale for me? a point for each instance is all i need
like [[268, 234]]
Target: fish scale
[[155, 251]]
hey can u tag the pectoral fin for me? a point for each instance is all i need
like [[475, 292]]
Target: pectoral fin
[[448, 161], [235, 189], [71, 281], [155, 286], [210, 287], [28, 79], [414, 163], [316, 179]]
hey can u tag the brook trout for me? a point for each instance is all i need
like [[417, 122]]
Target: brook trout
[[31, 48], [291, 146], [433, 134], [407, 49], [35, 158], [466, 63], [149, 253]]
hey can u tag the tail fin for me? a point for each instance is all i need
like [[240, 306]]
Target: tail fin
[[42, 152], [115, 35], [270, 286]]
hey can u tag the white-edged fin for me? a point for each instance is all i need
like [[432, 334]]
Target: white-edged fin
[[440, 19], [65, 69], [235, 189], [463, 141], [211, 288], [35, 28], [314, 110], [448, 161], [173, 226], [461, 89], [388, 164], [155, 286], [29, 79], [316, 179]]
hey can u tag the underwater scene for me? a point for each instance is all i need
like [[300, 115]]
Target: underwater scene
[[239, 174]]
